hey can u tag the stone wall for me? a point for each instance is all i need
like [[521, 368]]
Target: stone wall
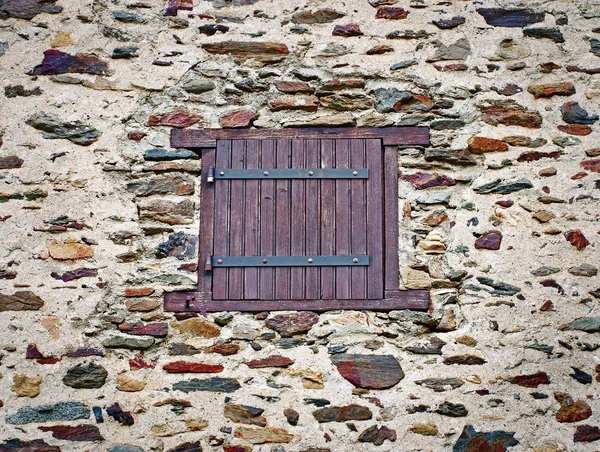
[[499, 219]]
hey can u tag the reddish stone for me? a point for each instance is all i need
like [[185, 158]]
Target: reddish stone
[[380, 50], [245, 414], [505, 203], [123, 417], [20, 301], [33, 352], [586, 434], [237, 449], [531, 381], [464, 360], [301, 103], [178, 367], [453, 67], [321, 16], [570, 410], [470, 440], [435, 218], [265, 52], [10, 162], [593, 152], [179, 117], [578, 176], [347, 102], [191, 267], [289, 87], [238, 119], [390, 12], [577, 239], [138, 363], [271, 361], [377, 435], [482, 145], [598, 372], [335, 85], [551, 89], [141, 292], [510, 114], [591, 165], [422, 181], [173, 6], [223, 349], [84, 352], [136, 136], [73, 433], [547, 306], [347, 30], [290, 324], [342, 413], [76, 274], [491, 240], [575, 129], [547, 68], [369, 371], [160, 329], [534, 156], [36, 445], [57, 62]]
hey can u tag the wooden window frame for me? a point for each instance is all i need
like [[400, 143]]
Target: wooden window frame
[[204, 142]]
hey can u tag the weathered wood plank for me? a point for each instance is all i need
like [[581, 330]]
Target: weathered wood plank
[[390, 170], [283, 220], [358, 220], [221, 234], [399, 136], [236, 222], [207, 214], [251, 221], [375, 275], [417, 300], [298, 225], [313, 220], [342, 220], [327, 220], [267, 220]]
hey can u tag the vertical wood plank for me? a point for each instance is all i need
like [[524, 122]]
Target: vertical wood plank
[[375, 272], [282, 220], [251, 221], [221, 235], [207, 217], [391, 218], [342, 219], [313, 220], [358, 220], [267, 220], [236, 226], [327, 219], [298, 215]]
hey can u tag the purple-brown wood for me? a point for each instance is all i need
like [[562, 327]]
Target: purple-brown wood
[[221, 234], [358, 220], [313, 223], [327, 220], [398, 136], [207, 213], [267, 220], [417, 300], [391, 218], [298, 225], [342, 219], [375, 195], [282, 220], [236, 223], [251, 221]]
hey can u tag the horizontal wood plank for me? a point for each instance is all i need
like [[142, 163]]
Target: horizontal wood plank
[[417, 300], [391, 136]]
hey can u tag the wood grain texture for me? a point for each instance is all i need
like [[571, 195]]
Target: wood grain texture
[[375, 195], [267, 220], [398, 136], [221, 234], [207, 213], [392, 264], [251, 221], [327, 226]]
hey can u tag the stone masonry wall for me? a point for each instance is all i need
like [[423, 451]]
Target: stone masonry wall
[[499, 218]]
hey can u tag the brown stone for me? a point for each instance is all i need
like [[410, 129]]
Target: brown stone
[[290, 324], [543, 216], [265, 52], [178, 367], [292, 87], [197, 327], [127, 383], [377, 435], [586, 434], [244, 414], [56, 62], [10, 162], [465, 360], [577, 239], [531, 381], [379, 50], [160, 329], [454, 67], [73, 433], [180, 117], [138, 292], [347, 31], [482, 145], [551, 89], [575, 129], [342, 413], [25, 386], [534, 156], [20, 301], [335, 120], [571, 411], [162, 185], [491, 240], [426, 429], [301, 103], [263, 435], [311, 378], [347, 102], [422, 181], [223, 349], [369, 371], [510, 114], [435, 218], [270, 361], [336, 85], [591, 165], [390, 12], [168, 212], [321, 16], [144, 305], [238, 119], [70, 249]]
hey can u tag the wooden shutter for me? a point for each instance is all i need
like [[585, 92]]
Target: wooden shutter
[[297, 221]]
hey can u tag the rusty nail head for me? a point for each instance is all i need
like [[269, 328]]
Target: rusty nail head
[[220, 261]]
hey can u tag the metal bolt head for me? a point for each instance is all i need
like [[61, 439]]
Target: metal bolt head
[[355, 173], [310, 173], [220, 261], [266, 173], [264, 261], [355, 260], [310, 261], [222, 173]]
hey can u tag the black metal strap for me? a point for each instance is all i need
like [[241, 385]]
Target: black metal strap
[[292, 173], [289, 261]]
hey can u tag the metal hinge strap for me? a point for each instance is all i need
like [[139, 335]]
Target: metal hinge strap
[[289, 261], [292, 173]]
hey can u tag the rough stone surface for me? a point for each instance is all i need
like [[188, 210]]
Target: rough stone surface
[[369, 371]]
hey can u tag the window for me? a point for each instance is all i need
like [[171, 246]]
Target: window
[[298, 219]]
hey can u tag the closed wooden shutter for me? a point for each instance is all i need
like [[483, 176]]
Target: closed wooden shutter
[[293, 223]]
